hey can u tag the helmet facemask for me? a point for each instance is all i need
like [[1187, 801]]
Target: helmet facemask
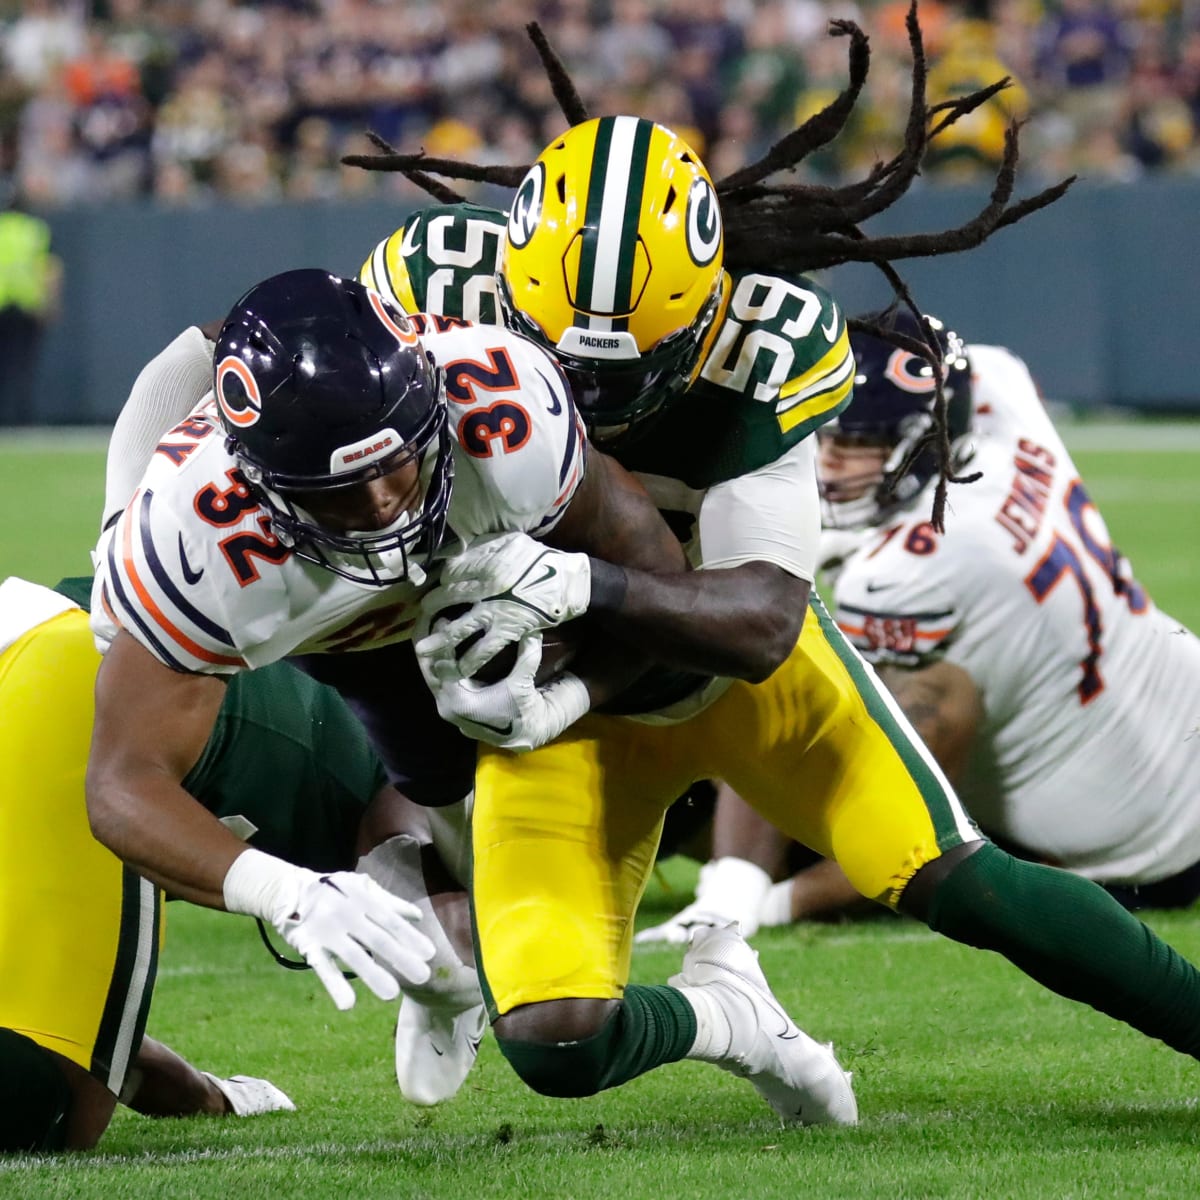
[[380, 557], [615, 395], [892, 408]]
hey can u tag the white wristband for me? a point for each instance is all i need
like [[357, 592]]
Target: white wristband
[[261, 885], [571, 696]]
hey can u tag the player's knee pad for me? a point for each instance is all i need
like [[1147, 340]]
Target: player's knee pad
[[564, 1069], [34, 1096]]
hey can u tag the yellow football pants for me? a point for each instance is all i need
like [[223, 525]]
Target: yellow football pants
[[79, 932], [565, 836]]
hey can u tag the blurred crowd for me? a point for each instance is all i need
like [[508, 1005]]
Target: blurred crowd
[[257, 100]]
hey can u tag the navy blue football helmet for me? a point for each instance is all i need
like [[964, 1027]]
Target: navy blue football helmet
[[322, 384], [892, 408]]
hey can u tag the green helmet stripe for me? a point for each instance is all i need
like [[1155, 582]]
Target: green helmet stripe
[[614, 203], [591, 219], [623, 293]]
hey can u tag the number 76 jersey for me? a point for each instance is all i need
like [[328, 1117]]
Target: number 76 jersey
[[1089, 752], [193, 570]]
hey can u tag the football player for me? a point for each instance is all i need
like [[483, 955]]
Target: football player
[[347, 455], [1053, 692], [287, 767], [615, 226]]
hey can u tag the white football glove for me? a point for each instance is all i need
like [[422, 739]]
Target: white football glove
[[515, 585], [513, 713], [340, 914]]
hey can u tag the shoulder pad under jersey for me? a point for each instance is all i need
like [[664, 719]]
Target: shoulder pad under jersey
[[442, 260], [520, 447]]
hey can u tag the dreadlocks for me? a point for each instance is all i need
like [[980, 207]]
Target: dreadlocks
[[799, 227]]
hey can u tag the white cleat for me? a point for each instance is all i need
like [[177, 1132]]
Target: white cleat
[[250, 1097], [435, 1049], [798, 1077]]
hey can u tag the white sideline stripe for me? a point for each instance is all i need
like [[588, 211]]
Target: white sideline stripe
[[61, 1164], [39, 439], [191, 970], [1155, 437]]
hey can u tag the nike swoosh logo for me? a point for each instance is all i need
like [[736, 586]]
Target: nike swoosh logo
[[831, 332], [503, 730], [553, 396], [439, 1053], [879, 587], [408, 246], [548, 573], [190, 576]]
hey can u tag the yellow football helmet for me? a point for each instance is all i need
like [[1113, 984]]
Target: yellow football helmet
[[612, 260]]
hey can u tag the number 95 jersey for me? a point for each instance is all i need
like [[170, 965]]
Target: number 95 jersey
[[1086, 754], [193, 570]]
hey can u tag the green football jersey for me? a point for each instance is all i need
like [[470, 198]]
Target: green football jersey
[[778, 367], [288, 766], [443, 260]]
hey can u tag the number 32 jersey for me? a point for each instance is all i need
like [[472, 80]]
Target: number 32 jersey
[[192, 570], [1088, 752]]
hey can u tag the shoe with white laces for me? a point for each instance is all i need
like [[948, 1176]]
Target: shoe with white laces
[[729, 889], [435, 1049], [749, 1034], [250, 1097]]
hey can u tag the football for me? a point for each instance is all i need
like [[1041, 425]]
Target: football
[[558, 648]]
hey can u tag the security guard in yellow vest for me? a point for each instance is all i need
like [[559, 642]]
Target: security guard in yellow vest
[[29, 280]]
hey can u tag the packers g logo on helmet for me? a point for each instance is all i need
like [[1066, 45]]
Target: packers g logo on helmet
[[613, 261], [526, 206], [703, 223]]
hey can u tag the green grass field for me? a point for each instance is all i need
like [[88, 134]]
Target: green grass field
[[972, 1081]]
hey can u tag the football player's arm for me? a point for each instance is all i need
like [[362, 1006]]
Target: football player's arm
[[151, 726], [943, 705], [742, 617]]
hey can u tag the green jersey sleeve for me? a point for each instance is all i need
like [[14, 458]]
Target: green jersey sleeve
[[779, 367], [441, 260]]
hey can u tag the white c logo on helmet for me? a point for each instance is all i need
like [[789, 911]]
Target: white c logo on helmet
[[242, 405], [910, 373], [526, 208], [703, 222]]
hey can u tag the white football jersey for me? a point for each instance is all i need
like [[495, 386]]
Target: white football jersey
[[1089, 751], [194, 572]]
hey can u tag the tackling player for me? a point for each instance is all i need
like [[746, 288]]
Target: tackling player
[[615, 226], [287, 766], [1056, 696], [304, 509]]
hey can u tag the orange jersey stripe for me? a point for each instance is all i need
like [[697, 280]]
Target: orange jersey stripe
[[152, 609]]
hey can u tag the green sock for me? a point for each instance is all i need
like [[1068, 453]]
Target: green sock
[[654, 1025], [1071, 936]]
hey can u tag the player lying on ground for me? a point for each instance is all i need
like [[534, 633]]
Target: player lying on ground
[[305, 508], [1059, 700], [287, 767]]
